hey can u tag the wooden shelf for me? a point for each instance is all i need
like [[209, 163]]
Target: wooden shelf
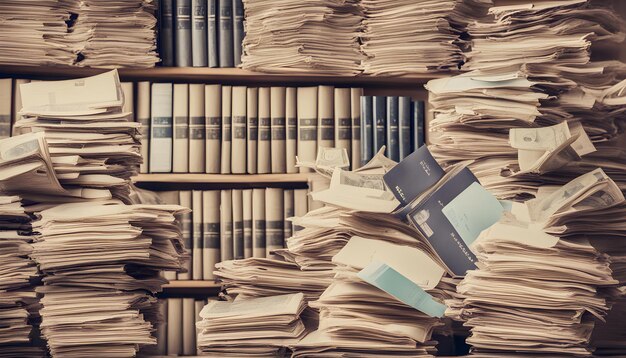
[[216, 75], [189, 288], [172, 181]]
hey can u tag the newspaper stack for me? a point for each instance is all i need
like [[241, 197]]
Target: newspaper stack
[[118, 33], [317, 36], [258, 327], [101, 264], [432, 42], [18, 301], [542, 283], [531, 67], [93, 146], [32, 33]]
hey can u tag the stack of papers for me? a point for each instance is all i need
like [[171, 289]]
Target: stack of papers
[[93, 145], [101, 264], [18, 301], [32, 33], [432, 42], [116, 33], [316, 36], [258, 327]]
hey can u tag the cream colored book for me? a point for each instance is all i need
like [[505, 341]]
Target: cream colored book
[[143, 117], [355, 113], [226, 225], [274, 227], [17, 98], [287, 212], [291, 129], [213, 123], [252, 111], [189, 326], [247, 222], [185, 199], [258, 222], [277, 132], [161, 128], [5, 107], [343, 118], [263, 139], [197, 215], [325, 116], [180, 159], [196, 128], [170, 197], [211, 231], [238, 139], [300, 205], [307, 125], [227, 94], [129, 98], [174, 326], [237, 206]]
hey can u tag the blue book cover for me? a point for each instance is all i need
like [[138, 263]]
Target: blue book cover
[[199, 33], [380, 119], [225, 33], [182, 21], [367, 120], [404, 123], [393, 150], [418, 125]]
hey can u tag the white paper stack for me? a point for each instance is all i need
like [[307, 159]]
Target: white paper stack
[[258, 327], [93, 145], [319, 36], [404, 37], [118, 33], [101, 264], [530, 67]]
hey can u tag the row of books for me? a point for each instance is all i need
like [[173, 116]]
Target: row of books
[[200, 33], [234, 224], [176, 335]]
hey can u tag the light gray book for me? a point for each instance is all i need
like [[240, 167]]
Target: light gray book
[[252, 128], [199, 33], [211, 228], [258, 222], [226, 129], [197, 204], [182, 42], [274, 226], [247, 222], [225, 34], [277, 125], [161, 128], [214, 60], [237, 205], [238, 30], [226, 225]]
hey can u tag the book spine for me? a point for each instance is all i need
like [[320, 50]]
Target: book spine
[[5, 107], [404, 122], [185, 200], [199, 33], [181, 128], [183, 33], [197, 270], [379, 130], [238, 245], [214, 60], [418, 124], [288, 207], [161, 128], [174, 326], [367, 121], [355, 113], [225, 33], [226, 225], [247, 222], [238, 160], [226, 129], [325, 117], [392, 127], [258, 223], [143, 117], [161, 328], [211, 232], [252, 111], [213, 123], [167, 33], [300, 206], [238, 30], [291, 129], [277, 129], [343, 128], [274, 226], [197, 129], [263, 139], [189, 329], [307, 125]]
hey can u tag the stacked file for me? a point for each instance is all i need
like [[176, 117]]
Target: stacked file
[[318, 36], [527, 72], [117, 33], [263, 326], [18, 301], [32, 32], [432, 42], [93, 146], [101, 265]]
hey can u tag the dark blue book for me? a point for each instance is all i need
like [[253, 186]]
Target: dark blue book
[[393, 150], [214, 60], [367, 119], [182, 22], [238, 31], [380, 119], [166, 33], [225, 33], [404, 124], [417, 125]]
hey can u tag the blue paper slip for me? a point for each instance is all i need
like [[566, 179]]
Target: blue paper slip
[[381, 276], [473, 211]]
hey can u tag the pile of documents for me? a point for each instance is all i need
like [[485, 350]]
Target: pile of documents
[[531, 77], [92, 145], [32, 33], [432, 41], [18, 301], [101, 264], [116, 33], [258, 327], [543, 282], [316, 36]]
